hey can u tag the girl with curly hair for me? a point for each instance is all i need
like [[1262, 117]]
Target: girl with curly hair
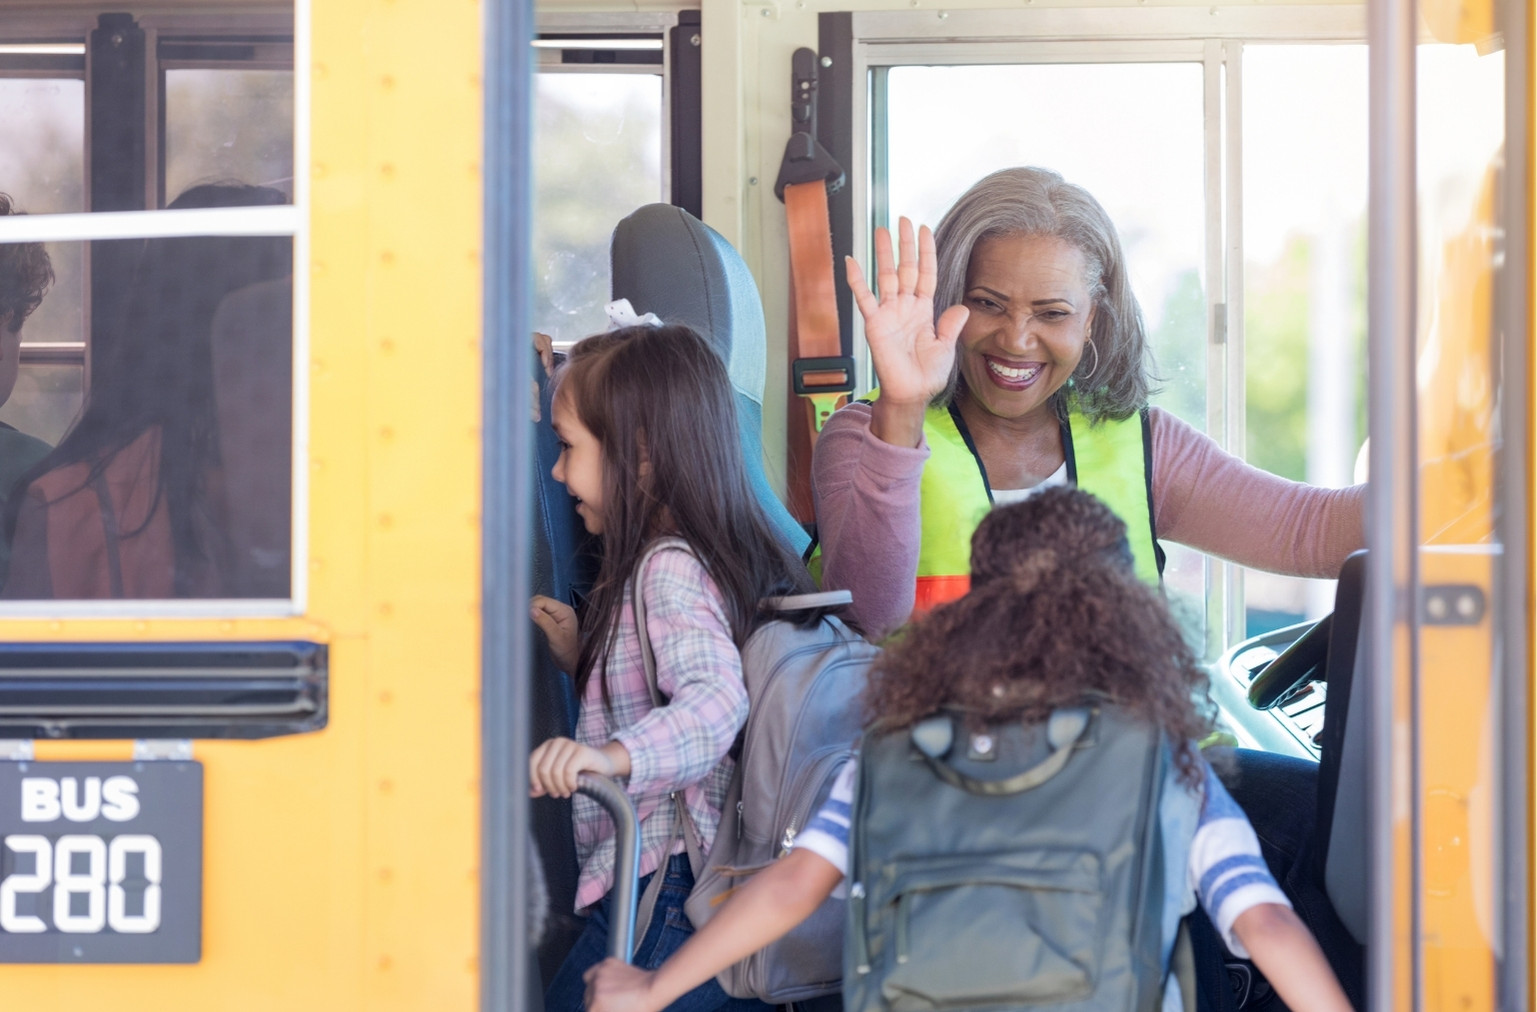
[[1055, 614]]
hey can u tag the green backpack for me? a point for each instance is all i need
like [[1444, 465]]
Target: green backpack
[[1016, 867]]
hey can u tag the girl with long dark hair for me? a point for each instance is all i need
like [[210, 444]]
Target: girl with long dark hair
[[649, 449]]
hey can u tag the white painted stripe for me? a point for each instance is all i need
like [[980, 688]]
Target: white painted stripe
[[221, 221]]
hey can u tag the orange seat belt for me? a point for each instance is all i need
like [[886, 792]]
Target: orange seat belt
[[820, 374]]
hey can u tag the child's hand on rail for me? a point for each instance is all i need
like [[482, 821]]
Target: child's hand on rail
[[554, 766]]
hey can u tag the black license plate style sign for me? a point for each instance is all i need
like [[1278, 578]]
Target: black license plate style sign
[[101, 862]]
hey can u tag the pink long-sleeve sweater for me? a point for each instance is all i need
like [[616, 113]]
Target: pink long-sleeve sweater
[[867, 505]]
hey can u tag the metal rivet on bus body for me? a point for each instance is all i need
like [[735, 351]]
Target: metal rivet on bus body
[[827, 61], [387, 257], [387, 170], [385, 874], [694, 39], [386, 521], [386, 697], [943, 15], [752, 180], [387, 82], [385, 962], [386, 787]]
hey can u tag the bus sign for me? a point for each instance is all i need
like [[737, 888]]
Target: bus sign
[[101, 862]]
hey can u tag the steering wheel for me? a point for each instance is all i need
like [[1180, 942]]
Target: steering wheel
[[1301, 662]]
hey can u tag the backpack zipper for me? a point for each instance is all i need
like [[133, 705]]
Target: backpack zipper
[[816, 774]]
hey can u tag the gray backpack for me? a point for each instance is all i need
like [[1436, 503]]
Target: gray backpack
[[804, 684], [1019, 867]]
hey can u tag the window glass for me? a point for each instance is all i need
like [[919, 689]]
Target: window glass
[[225, 123], [1304, 231], [175, 480], [597, 157], [42, 160], [1131, 134]]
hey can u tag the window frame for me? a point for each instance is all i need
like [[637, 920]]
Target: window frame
[[290, 220], [1215, 38]]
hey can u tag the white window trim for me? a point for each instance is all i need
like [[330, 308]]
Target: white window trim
[[1213, 37], [292, 220]]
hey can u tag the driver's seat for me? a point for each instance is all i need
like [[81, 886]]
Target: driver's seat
[[1341, 831]]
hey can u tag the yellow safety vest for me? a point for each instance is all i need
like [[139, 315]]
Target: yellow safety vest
[[1113, 460]]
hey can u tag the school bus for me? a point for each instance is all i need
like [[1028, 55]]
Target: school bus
[[304, 785]]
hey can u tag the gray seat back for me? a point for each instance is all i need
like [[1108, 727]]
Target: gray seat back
[[667, 262]]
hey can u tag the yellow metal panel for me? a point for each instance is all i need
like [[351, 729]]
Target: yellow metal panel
[[341, 867]]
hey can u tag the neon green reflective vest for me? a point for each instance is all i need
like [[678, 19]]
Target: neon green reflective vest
[[1112, 460]]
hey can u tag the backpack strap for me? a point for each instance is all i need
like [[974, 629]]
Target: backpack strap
[[690, 833]]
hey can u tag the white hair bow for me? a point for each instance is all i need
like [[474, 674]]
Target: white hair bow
[[622, 314]]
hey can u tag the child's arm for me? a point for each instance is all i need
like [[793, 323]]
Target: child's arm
[[771, 903], [1284, 950]]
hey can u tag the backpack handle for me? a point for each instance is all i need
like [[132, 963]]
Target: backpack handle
[[1064, 731]]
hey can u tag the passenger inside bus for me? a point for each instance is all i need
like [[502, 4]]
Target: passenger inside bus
[[1028, 639], [131, 504], [1035, 371], [25, 275], [650, 449]]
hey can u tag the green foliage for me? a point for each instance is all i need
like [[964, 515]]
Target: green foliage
[[1276, 361]]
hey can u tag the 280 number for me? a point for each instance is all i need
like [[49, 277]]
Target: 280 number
[[101, 883]]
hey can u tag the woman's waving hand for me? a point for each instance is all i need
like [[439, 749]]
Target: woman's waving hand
[[913, 355]]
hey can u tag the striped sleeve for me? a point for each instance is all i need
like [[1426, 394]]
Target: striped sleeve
[[827, 834], [1226, 867]]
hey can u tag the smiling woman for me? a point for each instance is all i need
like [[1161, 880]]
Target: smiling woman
[[1010, 348]]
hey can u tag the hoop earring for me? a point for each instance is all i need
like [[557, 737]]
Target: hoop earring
[[1090, 374]]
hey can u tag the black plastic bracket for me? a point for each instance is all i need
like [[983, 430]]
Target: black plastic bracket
[[840, 363], [805, 159]]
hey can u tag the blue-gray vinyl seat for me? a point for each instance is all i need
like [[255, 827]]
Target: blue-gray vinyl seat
[[667, 262]]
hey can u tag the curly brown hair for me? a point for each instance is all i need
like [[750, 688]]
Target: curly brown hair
[[1055, 614], [25, 274]]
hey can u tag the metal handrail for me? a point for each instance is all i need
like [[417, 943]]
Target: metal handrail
[[621, 930]]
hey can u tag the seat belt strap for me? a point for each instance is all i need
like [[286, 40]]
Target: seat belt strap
[[821, 376]]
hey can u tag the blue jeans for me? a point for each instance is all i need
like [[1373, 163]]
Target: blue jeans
[[669, 929], [1279, 794]]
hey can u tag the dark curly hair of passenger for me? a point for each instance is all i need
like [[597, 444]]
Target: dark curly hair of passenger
[[1055, 614], [25, 274]]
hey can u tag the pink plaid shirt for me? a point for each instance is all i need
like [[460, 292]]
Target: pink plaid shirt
[[678, 747]]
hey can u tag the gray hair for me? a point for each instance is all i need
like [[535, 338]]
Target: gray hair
[[1039, 202]]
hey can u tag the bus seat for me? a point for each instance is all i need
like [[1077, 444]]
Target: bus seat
[[251, 353], [1342, 827], [563, 569], [667, 262]]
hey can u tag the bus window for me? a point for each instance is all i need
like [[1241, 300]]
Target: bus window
[[154, 407], [598, 155], [1304, 286], [42, 169], [228, 123]]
